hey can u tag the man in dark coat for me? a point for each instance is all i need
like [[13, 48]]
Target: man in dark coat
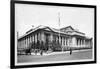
[[41, 52], [70, 51]]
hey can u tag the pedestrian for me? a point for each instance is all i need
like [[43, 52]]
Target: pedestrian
[[70, 51], [41, 52], [35, 52]]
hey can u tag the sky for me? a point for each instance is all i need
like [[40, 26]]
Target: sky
[[27, 16]]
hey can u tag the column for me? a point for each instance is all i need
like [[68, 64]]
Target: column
[[56, 38], [51, 37], [35, 38], [42, 36], [89, 43], [79, 42], [19, 44], [68, 42], [62, 41], [31, 38], [65, 41], [84, 42], [74, 41], [23, 43], [39, 35], [26, 41]]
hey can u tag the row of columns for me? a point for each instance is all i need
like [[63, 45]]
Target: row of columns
[[24, 42], [81, 42], [64, 41], [73, 42]]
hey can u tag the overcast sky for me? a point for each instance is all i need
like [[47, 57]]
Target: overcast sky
[[28, 15]]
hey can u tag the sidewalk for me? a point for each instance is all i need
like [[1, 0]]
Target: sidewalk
[[61, 52]]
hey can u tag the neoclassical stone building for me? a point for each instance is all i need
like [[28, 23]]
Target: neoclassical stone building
[[67, 37]]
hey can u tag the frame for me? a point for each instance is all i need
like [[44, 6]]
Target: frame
[[15, 40]]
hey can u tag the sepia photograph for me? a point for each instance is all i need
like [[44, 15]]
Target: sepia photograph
[[47, 33]]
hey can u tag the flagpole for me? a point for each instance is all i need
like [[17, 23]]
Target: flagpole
[[59, 24], [59, 28]]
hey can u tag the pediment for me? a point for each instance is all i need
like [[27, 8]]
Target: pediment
[[69, 29], [47, 29], [66, 29]]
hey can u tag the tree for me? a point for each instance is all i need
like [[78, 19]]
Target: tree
[[56, 46], [38, 44], [28, 49], [42, 46], [33, 45]]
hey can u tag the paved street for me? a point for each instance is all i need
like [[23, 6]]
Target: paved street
[[63, 56]]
